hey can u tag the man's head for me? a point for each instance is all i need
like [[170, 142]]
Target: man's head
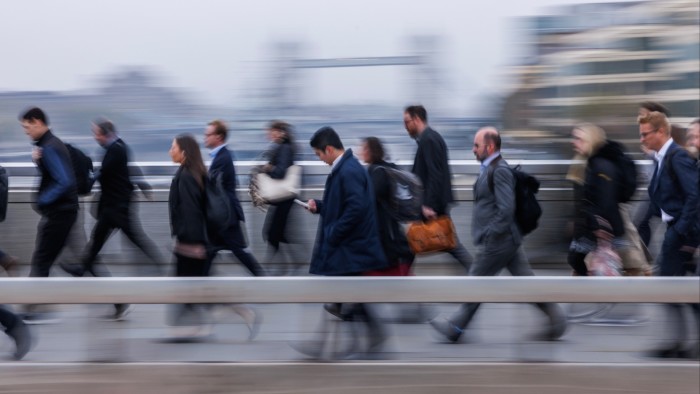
[[326, 145], [652, 106], [35, 123], [215, 134], [415, 119], [486, 142], [692, 141], [103, 131], [654, 130]]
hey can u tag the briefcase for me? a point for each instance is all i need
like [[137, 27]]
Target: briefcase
[[434, 235]]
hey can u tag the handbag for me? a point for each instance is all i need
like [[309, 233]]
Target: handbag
[[603, 261], [434, 235], [274, 190]]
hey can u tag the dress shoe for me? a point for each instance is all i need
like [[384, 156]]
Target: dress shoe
[[448, 330], [23, 339], [75, 270]]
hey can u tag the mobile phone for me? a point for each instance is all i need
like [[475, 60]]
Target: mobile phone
[[303, 204]]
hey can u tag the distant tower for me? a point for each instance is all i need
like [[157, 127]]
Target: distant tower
[[285, 85], [426, 77]]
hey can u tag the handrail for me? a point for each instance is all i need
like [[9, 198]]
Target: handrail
[[348, 289]]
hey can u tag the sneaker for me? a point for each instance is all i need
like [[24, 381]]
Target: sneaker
[[23, 339], [120, 312], [448, 330], [40, 318]]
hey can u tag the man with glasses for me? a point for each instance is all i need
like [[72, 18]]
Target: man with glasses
[[673, 195]]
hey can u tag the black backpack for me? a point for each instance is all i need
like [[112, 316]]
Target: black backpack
[[82, 167], [527, 209], [4, 193], [405, 194], [627, 171], [217, 204]]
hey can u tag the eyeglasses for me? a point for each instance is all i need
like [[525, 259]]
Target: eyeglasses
[[644, 135]]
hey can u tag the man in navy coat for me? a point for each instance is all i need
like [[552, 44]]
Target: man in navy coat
[[347, 242], [673, 195]]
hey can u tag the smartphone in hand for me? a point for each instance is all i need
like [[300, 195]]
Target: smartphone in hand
[[303, 204]]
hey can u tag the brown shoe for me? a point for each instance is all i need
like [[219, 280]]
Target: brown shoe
[[9, 264]]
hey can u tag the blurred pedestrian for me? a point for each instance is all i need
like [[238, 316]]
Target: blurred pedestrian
[[232, 238], [276, 229], [496, 233], [347, 242], [57, 198], [673, 193], [188, 224], [432, 168], [113, 209]]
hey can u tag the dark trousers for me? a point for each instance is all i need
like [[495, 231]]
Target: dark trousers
[[233, 239], [577, 261], [108, 221], [490, 261], [275, 227], [188, 314], [7, 318], [52, 233], [671, 262]]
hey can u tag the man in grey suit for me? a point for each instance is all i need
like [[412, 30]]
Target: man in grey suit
[[496, 234]]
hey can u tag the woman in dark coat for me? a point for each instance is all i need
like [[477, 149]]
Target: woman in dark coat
[[186, 205], [276, 228]]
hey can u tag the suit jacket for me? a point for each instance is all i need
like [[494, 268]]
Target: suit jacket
[[347, 241], [430, 165], [114, 178], [679, 197], [186, 207], [493, 216], [223, 165]]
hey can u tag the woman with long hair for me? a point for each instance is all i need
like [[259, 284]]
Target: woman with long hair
[[186, 205], [276, 228]]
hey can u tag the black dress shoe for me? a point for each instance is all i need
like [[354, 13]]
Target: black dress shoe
[[73, 269], [445, 328], [669, 352]]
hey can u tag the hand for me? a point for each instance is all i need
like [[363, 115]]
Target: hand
[[428, 213], [312, 205], [36, 154]]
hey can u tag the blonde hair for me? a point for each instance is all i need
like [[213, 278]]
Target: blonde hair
[[657, 120], [595, 137]]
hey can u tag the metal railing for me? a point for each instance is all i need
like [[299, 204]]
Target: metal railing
[[348, 289]]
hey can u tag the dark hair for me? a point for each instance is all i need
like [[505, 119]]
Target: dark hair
[[105, 126], [493, 137], [375, 149], [653, 106], [325, 136], [220, 128], [34, 113], [193, 157], [417, 111], [286, 129]]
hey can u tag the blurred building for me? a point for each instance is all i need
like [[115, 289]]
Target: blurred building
[[596, 62]]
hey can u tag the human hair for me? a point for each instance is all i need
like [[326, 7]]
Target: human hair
[[657, 120], [193, 157], [325, 136], [491, 136], [286, 129], [105, 126], [417, 111], [595, 137], [34, 113], [220, 128], [375, 148], [653, 106]]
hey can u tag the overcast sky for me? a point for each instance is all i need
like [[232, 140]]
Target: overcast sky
[[216, 48]]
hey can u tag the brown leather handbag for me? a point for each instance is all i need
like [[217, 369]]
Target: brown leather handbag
[[432, 236]]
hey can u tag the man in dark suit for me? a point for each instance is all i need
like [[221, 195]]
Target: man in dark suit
[[114, 209], [673, 194], [233, 238], [431, 167], [496, 233]]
